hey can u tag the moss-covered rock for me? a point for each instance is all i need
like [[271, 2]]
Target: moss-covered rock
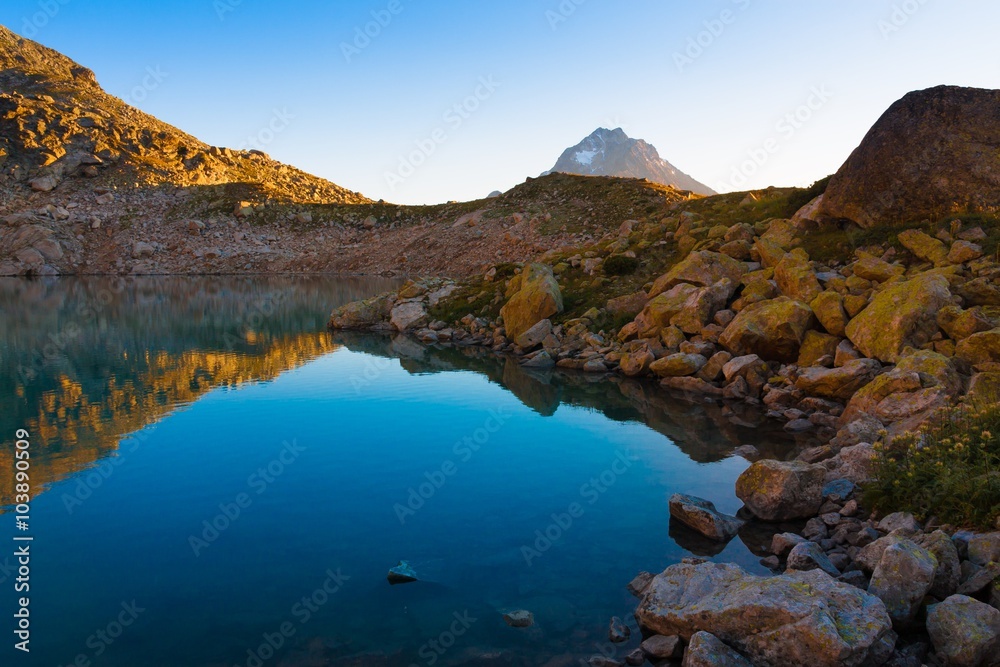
[[678, 365], [798, 618], [840, 383], [703, 268], [829, 309], [658, 311], [924, 247], [903, 314], [537, 298], [818, 349], [781, 490], [795, 277], [959, 324], [981, 350], [773, 330]]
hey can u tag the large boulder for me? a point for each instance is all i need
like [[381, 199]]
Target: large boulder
[[658, 311], [702, 269], [876, 269], [701, 516], [367, 314], [795, 277], [701, 307], [408, 315], [965, 632], [829, 309], [798, 618], [773, 330], [840, 383], [981, 350], [924, 247], [678, 365], [903, 314], [903, 577], [935, 152], [537, 298], [781, 490], [949, 565], [960, 324]]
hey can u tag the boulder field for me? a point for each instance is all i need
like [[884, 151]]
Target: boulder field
[[855, 319], [851, 352]]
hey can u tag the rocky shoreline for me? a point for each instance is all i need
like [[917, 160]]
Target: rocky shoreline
[[853, 353]]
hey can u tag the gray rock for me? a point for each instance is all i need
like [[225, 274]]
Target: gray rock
[[541, 360], [949, 568], [783, 543], [965, 632], [985, 548], [408, 315], [640, 583], [662, 647], [979, 578], [781, 490], [707, 650], [635, 658], [808, 556], [748, 452], [798, 618], [534, 336], [904, 575], [701, 516], [899, 520]]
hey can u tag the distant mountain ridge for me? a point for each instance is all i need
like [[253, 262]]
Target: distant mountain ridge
[[613, 153]]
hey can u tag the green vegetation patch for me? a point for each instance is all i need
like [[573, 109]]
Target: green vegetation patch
[[949, 469]]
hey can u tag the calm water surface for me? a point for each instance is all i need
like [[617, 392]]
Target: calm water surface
[[231, 483]]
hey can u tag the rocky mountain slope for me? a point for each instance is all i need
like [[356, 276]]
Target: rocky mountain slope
[[613, 153], [89, 184]]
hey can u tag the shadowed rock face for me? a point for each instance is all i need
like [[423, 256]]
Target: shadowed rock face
[[933, 153]]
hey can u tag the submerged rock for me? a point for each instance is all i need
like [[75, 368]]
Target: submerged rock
[[402, 573], [798, 618], [519, 618]]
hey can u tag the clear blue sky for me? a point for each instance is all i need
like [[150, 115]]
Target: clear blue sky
[[230, 70]]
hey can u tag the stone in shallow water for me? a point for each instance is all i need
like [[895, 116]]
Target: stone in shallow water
[[519, 618], [809, 556], [618, 632], [701, 515], [402, 574]]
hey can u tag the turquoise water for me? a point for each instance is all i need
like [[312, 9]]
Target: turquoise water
[[222, 478]]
